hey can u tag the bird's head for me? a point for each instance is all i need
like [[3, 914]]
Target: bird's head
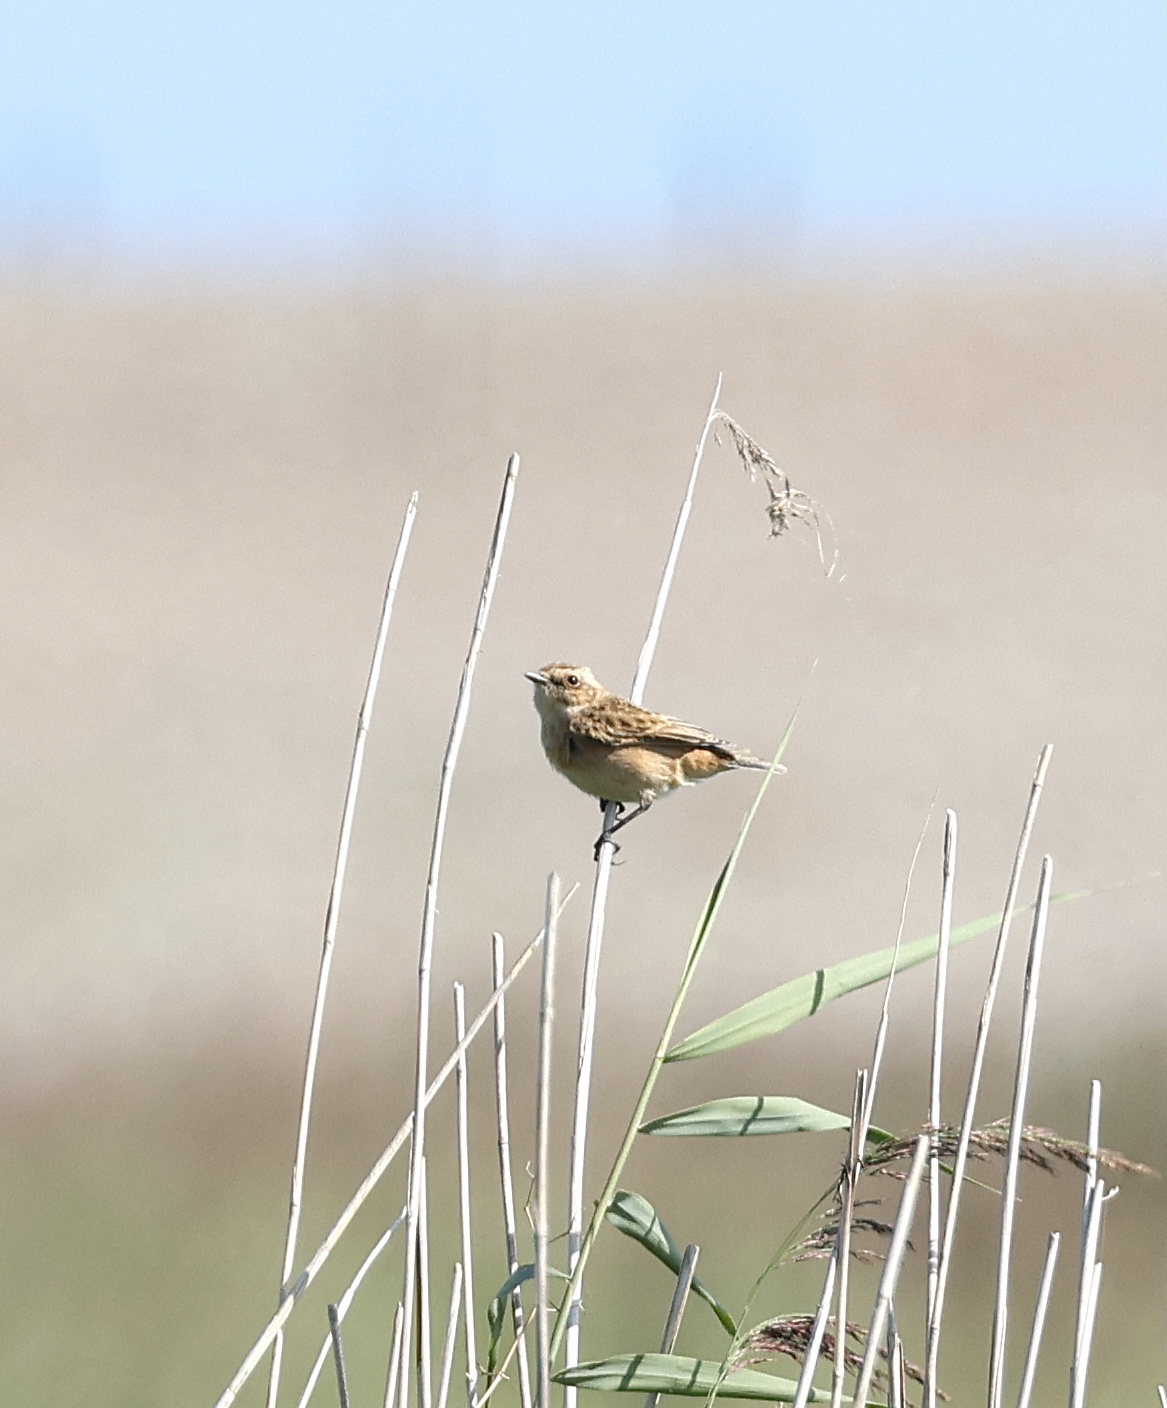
[[565, 686]]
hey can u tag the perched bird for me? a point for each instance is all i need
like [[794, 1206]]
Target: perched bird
[[616, 751]]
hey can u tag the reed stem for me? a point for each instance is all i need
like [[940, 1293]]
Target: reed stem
[[331, 923], [543, 1149], [430, 906]]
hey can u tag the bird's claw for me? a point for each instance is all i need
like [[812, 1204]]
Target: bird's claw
[[605, 839]]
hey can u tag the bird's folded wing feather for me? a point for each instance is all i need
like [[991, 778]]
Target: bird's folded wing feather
[[629, 725]]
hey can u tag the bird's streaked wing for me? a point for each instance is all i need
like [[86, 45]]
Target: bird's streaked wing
[[621, 724]]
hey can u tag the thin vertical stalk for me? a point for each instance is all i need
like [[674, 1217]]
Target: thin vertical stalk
[[338, 1356], [467, 1277], [850, 1180], [596, 921], [502, 1111], [331, 921], [1029, 1373], [451, 1337], [978, 1062], [396, 1356], [899, 1380], [1016, 1131], [811, 1358], [891, 1271], [583, 1091], [895, 1364], [676, 1313], [648, 649], [1088, 1281], [342, 1305], [938, 1006], [430, 907], [1093, 1134], [543, 1149], [424, 1341], [885, 1011], [1162, 1396], [1083, 1366], [306, 1277]]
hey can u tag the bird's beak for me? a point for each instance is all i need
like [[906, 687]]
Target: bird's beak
[[536, 678]]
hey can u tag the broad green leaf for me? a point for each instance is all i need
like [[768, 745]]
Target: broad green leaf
[[677, 1373], [637, 1218], [748, 1114], [781, 1007]]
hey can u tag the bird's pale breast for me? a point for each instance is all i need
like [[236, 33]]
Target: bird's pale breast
[[630, 774]]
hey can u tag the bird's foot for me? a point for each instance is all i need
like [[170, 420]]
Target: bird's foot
[[604, 839]]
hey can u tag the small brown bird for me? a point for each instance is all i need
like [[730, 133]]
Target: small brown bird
[[616, 751]]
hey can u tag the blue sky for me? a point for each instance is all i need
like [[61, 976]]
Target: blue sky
[[249, 129]]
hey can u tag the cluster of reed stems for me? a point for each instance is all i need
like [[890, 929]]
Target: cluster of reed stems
[[544, 1352]]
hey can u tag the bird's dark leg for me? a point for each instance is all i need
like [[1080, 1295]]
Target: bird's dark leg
[[606, 831], [620, 820]]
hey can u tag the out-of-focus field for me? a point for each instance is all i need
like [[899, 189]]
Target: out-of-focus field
[[201, 491]]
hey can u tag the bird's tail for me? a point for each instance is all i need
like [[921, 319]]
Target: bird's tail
[[747, 760]]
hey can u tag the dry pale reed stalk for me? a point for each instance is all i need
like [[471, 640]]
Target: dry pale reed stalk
[[430, 907], [938, 1005], [1082, 1367], [885, 1012], [370, 1182], [424, 1345], [502, 1112], [676, 1313], [331, 922], [896, 1386], [396, 1355], [815, 1343], [891, 1271], [467, 1278], [1093, 1135], [450, 1338], [850, 1179], [338, 1356], [893, 1354], [543, 1149], [342, 1305], [1089, 1282], [596, 920], [1016, 1130], [1029, 1373], [974, 1084]]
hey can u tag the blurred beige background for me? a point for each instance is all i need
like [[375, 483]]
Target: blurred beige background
[[202, 488]]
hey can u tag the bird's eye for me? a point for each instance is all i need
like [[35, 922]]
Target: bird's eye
[[573, 679]]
